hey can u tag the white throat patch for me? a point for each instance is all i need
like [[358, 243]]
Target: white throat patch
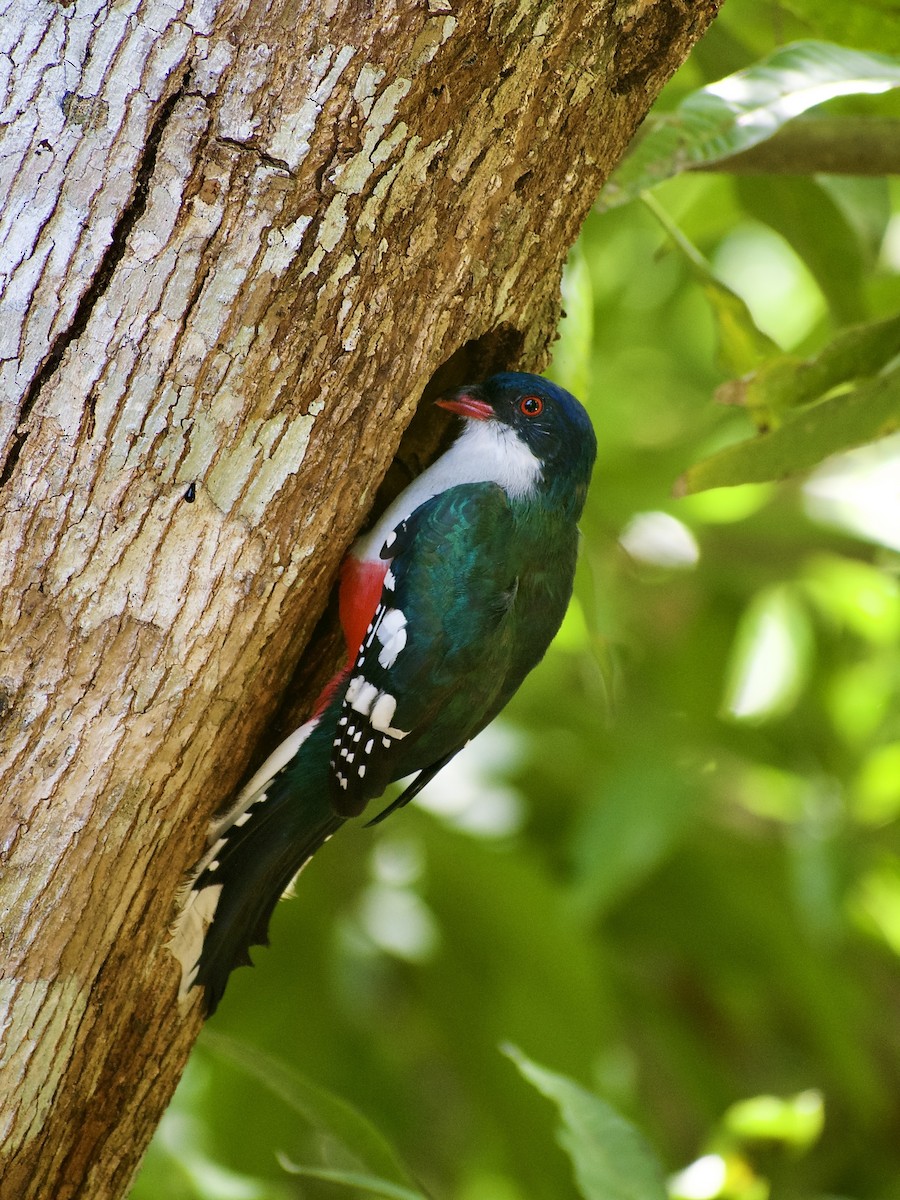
[[485, 452]]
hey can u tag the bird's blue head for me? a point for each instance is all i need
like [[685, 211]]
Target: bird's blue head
[[547, 419]]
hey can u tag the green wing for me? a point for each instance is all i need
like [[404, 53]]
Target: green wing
[[449, 601]]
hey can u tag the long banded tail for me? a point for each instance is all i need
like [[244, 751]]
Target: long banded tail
[[279, 821]]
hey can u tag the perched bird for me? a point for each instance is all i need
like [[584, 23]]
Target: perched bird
[[446, 605]]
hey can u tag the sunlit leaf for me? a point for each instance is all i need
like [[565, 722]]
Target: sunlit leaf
[[779, 290], [857, 492], [859, 697], [660, 539], [746, 108], [852, 418], [857, 594], [875, 903], [773, 794], [876, 789], [786, 382], [795, 1120], [724, 506], [610, 1158], [771, 655], [727, 1175], [490, 1185]]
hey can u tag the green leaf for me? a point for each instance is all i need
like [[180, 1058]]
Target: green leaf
[[771, 657], [812, 224], [865, 204], [852, 418], [786, 382], [323, 1110], [862, 23], [746, 108], [611, 1159], [641, 811], [742, 344], [363, 1183], [795, 1120]]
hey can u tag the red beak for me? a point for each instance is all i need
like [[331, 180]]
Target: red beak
[[466, 405]]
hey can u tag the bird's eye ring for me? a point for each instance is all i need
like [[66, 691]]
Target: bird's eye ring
[[531, 406]]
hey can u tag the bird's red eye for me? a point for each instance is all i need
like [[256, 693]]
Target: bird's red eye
[[531, 406]]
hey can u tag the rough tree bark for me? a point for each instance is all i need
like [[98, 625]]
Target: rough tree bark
[[239, 242]]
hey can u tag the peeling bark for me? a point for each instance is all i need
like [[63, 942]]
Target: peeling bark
[[238, 243]]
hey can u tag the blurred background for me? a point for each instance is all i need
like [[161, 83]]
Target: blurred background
[[670, 873]]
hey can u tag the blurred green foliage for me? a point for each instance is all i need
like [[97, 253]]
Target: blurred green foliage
[[671, 873]]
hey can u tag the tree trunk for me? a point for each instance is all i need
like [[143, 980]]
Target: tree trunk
[[238, 245]]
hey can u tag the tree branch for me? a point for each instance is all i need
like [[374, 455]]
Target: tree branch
[[848, 145]]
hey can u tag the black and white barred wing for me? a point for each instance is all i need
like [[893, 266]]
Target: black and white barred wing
[[420, 686], [366, 732]]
